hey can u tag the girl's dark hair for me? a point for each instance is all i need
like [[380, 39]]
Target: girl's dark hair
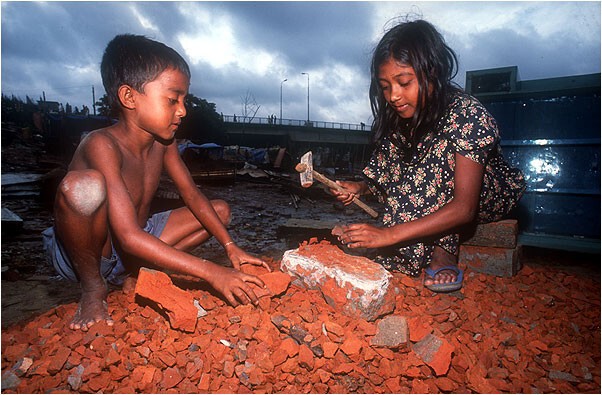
[[135, 60], [418, 44]]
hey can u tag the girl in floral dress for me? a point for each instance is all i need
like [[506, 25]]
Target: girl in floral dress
[[437, 165]]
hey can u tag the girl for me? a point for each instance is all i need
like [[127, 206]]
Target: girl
[[437, 164]]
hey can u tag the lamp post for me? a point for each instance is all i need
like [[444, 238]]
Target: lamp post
[[283, 81], [307, 74]]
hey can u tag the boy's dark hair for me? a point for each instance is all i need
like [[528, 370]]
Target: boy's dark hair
[[135, 60], [418, 44]]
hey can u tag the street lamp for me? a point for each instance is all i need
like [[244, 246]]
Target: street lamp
[[307, 74], [283, 81]]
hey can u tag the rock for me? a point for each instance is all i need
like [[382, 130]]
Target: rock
[[435, 352], [353, 285], [9, 380], [392, 332]]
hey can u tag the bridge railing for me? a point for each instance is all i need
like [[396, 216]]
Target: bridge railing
[[275, 121]]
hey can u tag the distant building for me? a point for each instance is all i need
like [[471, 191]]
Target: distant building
[[48, 106]]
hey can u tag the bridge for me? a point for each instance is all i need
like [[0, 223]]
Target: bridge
[[294, 122], [338, 139]]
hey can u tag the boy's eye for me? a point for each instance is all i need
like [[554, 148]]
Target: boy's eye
[[173, 101]]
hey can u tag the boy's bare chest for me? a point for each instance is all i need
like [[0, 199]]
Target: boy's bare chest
[[142, 177]]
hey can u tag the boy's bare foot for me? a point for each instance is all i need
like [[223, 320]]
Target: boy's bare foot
[[442, 259], [92, 308]]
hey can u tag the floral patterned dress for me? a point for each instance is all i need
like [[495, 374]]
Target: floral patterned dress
[[413, 188]]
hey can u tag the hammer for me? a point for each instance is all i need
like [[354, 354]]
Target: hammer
[[307, 174]]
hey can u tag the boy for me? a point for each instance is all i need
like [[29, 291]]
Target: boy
[[102, 204]]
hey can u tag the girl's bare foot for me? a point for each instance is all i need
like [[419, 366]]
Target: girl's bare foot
[[92, 308], [442, 258]]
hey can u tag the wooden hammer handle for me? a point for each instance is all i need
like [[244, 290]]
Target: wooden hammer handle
[[333, 185]]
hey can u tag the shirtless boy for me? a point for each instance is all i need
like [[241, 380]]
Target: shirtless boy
[[102, 205]]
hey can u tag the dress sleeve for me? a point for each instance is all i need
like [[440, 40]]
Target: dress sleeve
[[471, 129]]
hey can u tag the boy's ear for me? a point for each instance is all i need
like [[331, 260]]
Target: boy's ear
[[126, 95]]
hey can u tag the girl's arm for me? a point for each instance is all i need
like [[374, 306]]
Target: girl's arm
[[461, 210]]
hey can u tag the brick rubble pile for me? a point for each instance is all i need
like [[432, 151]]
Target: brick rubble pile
[[536, 332]]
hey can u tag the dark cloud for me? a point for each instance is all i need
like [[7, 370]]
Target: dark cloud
[[308, 33], [56, 47]]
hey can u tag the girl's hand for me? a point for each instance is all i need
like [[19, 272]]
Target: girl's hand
[[237, 256], [353, 189], [363, 236]]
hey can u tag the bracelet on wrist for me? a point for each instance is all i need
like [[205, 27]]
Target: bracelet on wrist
[[228, 243]]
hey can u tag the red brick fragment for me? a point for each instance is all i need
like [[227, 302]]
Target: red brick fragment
[[306, 357], [418, 328], [171, 378], [58, 360], [352, 345], [175, 302], [277, 282]]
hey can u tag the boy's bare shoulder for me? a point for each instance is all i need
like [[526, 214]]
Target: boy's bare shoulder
[[100, 143]]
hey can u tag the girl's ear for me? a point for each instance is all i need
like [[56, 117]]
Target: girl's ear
[[126, 95]]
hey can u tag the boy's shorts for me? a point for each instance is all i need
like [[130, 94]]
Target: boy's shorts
[[112, 268]]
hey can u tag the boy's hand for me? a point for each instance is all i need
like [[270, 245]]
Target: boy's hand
[[238, 257], [233, 285]]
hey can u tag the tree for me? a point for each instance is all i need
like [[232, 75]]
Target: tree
[[202, 123], [102, 106], [249, 107]]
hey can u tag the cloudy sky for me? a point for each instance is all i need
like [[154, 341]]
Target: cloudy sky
[[240, 50]]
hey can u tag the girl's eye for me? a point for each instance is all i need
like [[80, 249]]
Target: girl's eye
[[173, 101]]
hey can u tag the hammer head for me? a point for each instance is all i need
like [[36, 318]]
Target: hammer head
[[305, 169]]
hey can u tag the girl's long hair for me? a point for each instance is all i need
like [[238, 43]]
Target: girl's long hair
[[418, 44]]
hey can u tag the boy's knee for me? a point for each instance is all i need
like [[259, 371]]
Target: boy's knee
[[223, 210], [84, 191]]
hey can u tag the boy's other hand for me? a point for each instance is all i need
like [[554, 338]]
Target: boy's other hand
[[238, 257], [232, 284]]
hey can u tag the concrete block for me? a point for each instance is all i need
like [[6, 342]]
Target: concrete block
[[502, 262], [502, 234], [354, 285]]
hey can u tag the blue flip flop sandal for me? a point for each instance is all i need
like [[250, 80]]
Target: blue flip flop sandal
[[447, 287]]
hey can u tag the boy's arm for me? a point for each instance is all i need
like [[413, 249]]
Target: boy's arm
[[201, 207], [102, 154]]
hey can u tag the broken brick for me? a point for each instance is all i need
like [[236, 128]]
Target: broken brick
[[175, 302]]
